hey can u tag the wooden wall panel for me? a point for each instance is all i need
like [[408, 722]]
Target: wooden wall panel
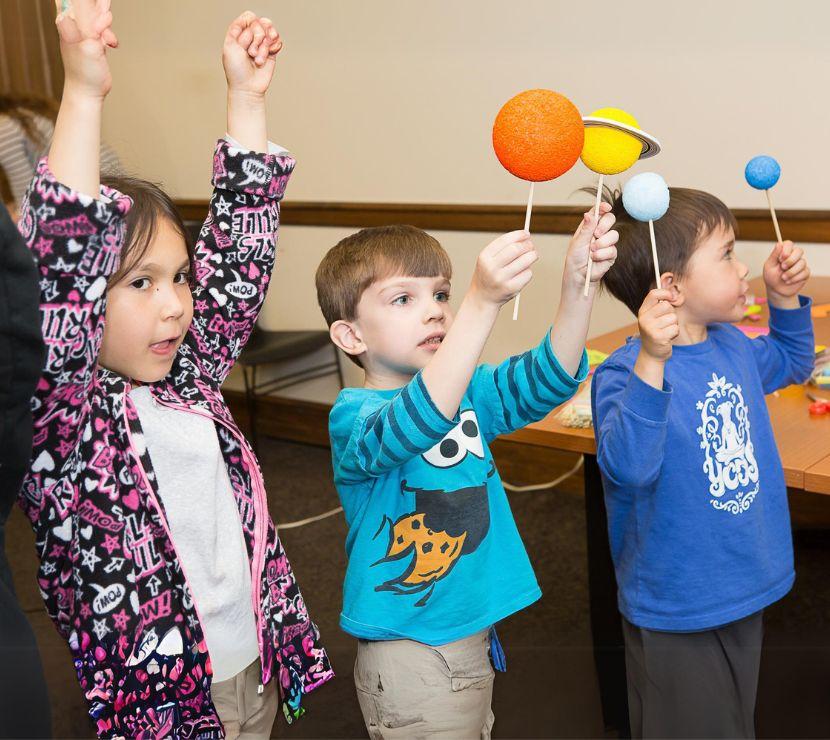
[[753, 224], [29, 51]]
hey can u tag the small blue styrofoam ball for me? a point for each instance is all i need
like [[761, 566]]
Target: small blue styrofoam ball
[[646, 197], [762, 172]]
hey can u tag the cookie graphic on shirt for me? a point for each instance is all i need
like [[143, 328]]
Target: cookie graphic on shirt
[[445, 526]]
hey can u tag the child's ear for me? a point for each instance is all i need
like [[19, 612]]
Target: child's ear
[[668, 281], [347, 337]]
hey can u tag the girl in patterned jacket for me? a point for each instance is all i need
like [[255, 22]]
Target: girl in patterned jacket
[[159, 562]]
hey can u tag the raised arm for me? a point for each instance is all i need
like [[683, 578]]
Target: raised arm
[[236, 248], [787, 354], [85, 35], [249, 56], [502, 270]]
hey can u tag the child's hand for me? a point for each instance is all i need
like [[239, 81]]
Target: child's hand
[[85, 33], [503, 268], [249, 54], [601, 239], [785, 271], [658, 325]]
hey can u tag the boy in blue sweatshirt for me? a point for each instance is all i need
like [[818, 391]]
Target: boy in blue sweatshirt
[[435, 559], [697, 505]]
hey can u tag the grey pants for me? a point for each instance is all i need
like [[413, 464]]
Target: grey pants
[[694, 684], [408, 690]]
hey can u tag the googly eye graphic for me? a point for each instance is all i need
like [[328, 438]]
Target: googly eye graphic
[[472, 435], [462, 439]]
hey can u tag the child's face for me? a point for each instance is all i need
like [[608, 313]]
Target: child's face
[[401, 322], [149, 310], [714, 285]]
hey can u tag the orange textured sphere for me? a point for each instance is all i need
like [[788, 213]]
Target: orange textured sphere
[[538, 135]]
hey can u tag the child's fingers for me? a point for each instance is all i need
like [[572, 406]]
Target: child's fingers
[[798, 274], [520, 264], [786, 250], [272, 38], [795, 255], [259, 34], [606, 221], [519, 282], [606, 254], [665, 321], [240, 24], [245, 37], [654, 297], [608, 239], [797, 266], [499, 243], [512, 252], [663, 308], [109, 38]]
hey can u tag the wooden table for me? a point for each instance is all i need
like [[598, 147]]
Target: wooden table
[[803, 443]]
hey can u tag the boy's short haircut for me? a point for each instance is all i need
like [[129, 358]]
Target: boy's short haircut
[[692, 216], [373, 254], [150, 203]]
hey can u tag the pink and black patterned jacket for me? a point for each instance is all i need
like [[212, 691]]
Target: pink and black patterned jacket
[[109, 573]]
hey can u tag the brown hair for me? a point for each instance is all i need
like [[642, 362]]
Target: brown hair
[[372, 254], [24, 108], [150, 203], [692, 216], [6, 195]]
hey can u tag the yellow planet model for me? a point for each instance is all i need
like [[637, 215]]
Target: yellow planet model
[[614, 141]]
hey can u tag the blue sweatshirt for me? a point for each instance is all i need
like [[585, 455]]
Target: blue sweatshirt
[[434, 553], [697, 505]]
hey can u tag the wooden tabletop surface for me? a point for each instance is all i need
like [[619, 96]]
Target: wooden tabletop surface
[[803, 440]]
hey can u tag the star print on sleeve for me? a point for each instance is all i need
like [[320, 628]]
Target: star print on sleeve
[[89, 558]]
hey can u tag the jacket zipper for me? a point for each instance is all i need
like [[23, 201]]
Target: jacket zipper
[[260, 530], [163, 518]]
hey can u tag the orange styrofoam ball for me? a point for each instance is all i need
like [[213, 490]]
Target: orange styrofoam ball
[[538, 135]]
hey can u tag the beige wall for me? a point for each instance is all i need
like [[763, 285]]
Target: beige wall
[[386, 100]]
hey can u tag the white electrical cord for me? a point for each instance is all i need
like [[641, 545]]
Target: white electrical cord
[[507, 486], [545, 486], [310, 520]]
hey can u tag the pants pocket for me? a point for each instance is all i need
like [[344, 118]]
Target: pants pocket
[[468, 662]]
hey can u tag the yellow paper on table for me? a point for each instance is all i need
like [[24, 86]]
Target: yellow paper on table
[[595, 357]]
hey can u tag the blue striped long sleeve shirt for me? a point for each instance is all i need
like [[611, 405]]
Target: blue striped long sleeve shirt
[[434, 553]]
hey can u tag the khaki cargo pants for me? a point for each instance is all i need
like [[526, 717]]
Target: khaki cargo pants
[[410, 690]]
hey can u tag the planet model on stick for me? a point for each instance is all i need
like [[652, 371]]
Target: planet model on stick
[[646, 198], [613, 143], [537, 136], [762, 173]]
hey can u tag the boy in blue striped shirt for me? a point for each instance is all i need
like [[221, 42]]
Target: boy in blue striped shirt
[[435, 559]]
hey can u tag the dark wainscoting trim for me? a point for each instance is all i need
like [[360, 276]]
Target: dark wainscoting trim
[[754, 224]]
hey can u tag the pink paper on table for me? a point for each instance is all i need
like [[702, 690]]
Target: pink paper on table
[[753, 331]]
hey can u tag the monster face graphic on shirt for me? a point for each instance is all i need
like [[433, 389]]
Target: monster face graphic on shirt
[[446, 525]]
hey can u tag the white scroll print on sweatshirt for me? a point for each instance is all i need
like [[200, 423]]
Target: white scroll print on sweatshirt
[[729, 457]]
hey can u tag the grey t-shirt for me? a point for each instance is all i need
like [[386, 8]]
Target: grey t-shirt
[[194, 486]]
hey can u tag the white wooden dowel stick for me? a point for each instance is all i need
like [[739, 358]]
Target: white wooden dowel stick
[[774, 217], [596, 216], [654, 255], [527, 228]]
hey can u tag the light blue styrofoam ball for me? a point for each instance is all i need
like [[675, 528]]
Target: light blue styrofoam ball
[[646, 196], [762, 172]]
